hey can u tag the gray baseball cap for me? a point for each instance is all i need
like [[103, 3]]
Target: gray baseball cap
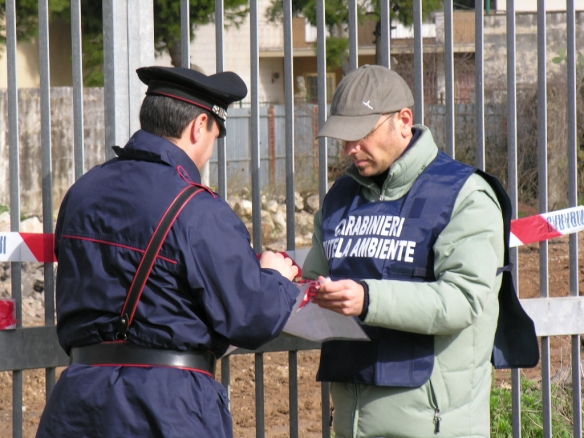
[[361, 98]]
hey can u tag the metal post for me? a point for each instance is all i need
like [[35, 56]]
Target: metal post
[[512, 187], [543, 204], [259, 395], [573, 201], [385, 19], [220, 66], [47, 170], [115, 68], [353, 40], [77, 64], [449, 77], [479, 85], [15, 268], [185, 34], [128, 42], [293, 392], [418, 64], [289, 116], [255, 127], [322, 99]]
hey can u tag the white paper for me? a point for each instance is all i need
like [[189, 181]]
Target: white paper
[[309, 321]]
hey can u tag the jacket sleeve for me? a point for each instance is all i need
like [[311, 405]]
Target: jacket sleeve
[[244, 303], [467, 254]]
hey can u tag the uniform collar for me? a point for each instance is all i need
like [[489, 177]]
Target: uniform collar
[[145, 146]]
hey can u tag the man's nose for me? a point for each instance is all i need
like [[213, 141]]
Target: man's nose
[[352, 147]]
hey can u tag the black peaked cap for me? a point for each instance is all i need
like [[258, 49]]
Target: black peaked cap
[[214, 93]]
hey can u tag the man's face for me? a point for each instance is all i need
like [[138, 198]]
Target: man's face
[[379, 149], [207, 140]]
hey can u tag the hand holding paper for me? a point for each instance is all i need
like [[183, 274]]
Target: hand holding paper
[[346, 297], [309, 321]]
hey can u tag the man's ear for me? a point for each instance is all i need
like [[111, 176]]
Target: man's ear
[[197, 127], [406, 120]]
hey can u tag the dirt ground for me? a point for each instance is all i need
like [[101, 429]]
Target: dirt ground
[[276, 365]]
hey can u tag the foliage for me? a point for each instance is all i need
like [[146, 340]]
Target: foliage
[[563, 57], [336, 17], [531, 411], [167, 26], [3, 208], [26, 18]]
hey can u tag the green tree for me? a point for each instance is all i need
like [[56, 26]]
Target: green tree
[[336, 17], [167, 26]]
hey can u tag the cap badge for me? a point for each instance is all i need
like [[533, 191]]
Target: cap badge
[[367, 104], [220, 112]]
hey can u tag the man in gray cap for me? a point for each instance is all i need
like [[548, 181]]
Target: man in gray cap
[[146, 300], [412, 241]]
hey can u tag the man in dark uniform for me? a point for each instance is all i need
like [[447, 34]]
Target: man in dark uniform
[[142, 363]]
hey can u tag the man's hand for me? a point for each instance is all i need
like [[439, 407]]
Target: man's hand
[[278, 262], [344, 296]]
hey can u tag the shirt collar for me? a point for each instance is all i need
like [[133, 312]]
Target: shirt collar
[[150, 147]]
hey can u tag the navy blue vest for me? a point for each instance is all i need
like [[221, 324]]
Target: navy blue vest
[[387, 240]]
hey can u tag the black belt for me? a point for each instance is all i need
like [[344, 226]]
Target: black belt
[[124, 353]]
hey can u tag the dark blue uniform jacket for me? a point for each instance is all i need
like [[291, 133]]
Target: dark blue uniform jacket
[[206, 291]]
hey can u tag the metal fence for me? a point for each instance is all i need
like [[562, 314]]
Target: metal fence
[[128, 36]]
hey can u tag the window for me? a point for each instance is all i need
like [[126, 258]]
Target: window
[[312, 86]]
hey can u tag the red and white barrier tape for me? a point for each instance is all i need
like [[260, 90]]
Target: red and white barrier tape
[[546, 226], [31, 247], [26, 247]]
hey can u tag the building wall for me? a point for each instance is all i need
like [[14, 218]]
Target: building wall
[[27, 59], [526, 46], [531, 5]]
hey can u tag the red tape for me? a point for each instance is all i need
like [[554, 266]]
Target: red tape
[[533, 229], [7, 314]]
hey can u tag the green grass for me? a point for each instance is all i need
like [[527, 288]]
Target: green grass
[[531, 411]]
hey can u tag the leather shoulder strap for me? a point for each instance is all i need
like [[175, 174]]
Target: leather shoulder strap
[[149, 257]]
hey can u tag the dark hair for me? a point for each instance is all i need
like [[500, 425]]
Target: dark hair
[[168, 117]]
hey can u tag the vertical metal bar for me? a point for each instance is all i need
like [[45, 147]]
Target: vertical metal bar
[[226, 376], [77, 61], [418, 64], [115, 65], [322, 99], [13, 139], [14, 160], [17, 404], [259, 395], [47, 170], [185, 34], [512, 187], [325, 397], [289, 117], [353, 35], [449, 77], [219, 62], [385, 19], [479, 85], [254, 127], [140, 51], [293, 392], [543, 203], [573, 201]]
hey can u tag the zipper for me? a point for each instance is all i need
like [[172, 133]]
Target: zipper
[[434, 403], [437, 420]]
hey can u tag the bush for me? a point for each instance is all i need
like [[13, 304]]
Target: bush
[[531, 411]]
